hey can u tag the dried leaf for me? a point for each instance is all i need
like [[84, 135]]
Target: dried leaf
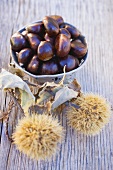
[[47, 95], [63, 95], [75, 85], [39, 92], [18, 95], [48, 105], [11, 81], [43, 88], [26, 101], [48, 89]]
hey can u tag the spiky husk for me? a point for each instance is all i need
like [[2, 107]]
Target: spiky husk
[[93, 113], [37, 136]]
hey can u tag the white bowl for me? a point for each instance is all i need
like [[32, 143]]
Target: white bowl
[[44, 78]]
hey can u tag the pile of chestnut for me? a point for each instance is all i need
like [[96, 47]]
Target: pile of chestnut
[[45, 47]]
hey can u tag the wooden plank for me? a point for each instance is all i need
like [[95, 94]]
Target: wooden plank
[[95, 20]]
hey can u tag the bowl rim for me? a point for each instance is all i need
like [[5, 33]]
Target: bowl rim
[[13, 54]]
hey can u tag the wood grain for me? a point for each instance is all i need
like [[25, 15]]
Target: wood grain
[[95, 20]]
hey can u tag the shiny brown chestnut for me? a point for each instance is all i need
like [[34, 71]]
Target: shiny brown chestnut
[[33, 66], [45, 51], [78, 48], [51, 26], [34, 40], [62, 25], [82, 39], [24, 56], [70, 61], [18, 42], [65, 32], [49, 67], [24, 33], [36, 28], [49, 39], [57, 18], [72, 30], [62, 45]]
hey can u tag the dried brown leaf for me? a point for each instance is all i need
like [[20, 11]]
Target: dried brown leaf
[[52, 85], [47, 95], [48, 105], [75, 85], [26, 101], [42, 89], [63, 95], [11, 81]]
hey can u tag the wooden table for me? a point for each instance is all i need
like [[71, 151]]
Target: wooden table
[[95, 19]]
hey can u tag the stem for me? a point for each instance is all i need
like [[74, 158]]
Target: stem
[[11, 105], [6, 130], [15, 101], [31, 84]]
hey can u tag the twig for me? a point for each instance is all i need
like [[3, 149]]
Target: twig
[[6, 131], [15, 101], [11, 105], [3, 115], [62, 81], [31, 84]]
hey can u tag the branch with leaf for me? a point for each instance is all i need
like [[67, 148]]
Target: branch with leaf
[[55, 94], [87, 113]]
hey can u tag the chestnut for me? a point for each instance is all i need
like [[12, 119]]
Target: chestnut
[[45, 51], [24, 33], [70, 61], [57, 18], [65, 32], [49, 39], [62, 45], [49, 67], [24, 56], [62, 25], [33, 66], [18, 42], [82, 39], [78, 48], [36, 28], [34, 40], [51, 26], [73, 31]]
